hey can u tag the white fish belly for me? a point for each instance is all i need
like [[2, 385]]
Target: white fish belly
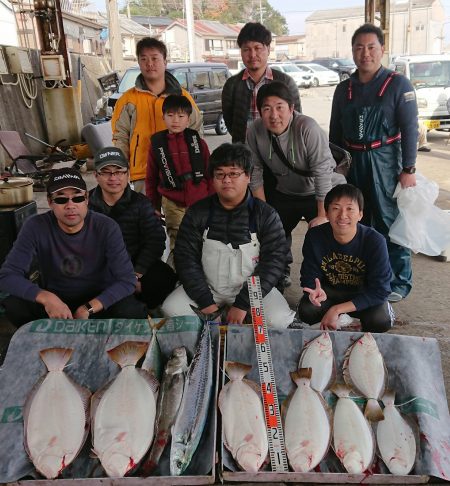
[[243, 425], [124, 422], [367, 370], [321, 362], [353, 440], [396, 442], [56, 424], [307, 430]]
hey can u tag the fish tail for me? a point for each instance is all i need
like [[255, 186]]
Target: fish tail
[[300, 374], [388, 397], [55, 359], [128, 353], [341, 390], [373, 411], [236, 371]]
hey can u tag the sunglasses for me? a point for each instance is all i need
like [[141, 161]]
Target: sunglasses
[[65, 200]]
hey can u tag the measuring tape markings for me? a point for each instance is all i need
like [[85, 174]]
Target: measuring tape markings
[[277, 450]]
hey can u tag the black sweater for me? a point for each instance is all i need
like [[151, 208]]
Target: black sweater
[[142, 230]]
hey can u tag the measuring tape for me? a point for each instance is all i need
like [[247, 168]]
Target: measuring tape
[[277, 450]]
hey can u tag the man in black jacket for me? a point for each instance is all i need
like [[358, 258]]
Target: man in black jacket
[[141, 229], [239, 93], [225, 238]]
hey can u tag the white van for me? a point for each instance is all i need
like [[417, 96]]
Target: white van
[[430, 76]]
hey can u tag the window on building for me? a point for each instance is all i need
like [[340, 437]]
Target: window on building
[[213, 45], [232, 44], [344, 28]]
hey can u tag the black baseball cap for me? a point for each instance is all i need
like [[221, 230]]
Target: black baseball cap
[[64, 179], [110, 156]]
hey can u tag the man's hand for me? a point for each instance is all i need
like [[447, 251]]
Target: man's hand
[[81, 313], [53, 305], [318, 220], [317, 295], [210, 309], [407, 180], [236, 315], [330, 319]]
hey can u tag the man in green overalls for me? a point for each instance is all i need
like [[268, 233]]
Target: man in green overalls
[[374, 116]]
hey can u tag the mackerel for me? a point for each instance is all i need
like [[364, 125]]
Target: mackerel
[[193, 412]]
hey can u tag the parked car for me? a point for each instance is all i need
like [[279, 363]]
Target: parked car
[[203, 80], [344, 67], [430, 76], [321, 76], [302, 80]]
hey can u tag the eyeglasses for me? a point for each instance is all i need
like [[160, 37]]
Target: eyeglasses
[[220, 176], [65, 200], [118, 173]]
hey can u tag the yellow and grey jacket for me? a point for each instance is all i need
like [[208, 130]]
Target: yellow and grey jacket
[[138, 115]]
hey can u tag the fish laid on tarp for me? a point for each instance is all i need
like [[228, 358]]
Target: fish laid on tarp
[[364, 370], [243, 424], [191, 419], [307, 427], [153, 361], [396, 438], [318, 355], [123, 412], [353, 439], [169, 400], [56, 416]]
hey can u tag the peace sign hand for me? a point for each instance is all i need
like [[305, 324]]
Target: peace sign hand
[[317, 295]]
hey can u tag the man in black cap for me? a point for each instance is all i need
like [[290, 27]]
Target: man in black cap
[[142, 230], [85, 270]]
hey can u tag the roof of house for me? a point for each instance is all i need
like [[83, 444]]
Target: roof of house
[[153, 21], [290, 38], [210, 28], [6, 4], [337, 13], [127, 26]]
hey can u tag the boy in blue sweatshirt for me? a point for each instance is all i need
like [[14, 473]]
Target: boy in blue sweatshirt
[[345, 267]]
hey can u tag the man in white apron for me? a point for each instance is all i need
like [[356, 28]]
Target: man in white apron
[[224, 239]]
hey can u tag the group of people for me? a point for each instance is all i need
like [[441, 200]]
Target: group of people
[[230, 214]]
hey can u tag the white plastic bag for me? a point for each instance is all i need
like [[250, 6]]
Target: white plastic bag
[[420, 226]]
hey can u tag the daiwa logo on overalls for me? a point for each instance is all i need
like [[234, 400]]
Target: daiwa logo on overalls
[[361, 127], [195, 145], [166, 167]]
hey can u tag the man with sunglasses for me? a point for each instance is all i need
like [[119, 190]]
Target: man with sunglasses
[[85, 271], [142, 230], [225, 238]]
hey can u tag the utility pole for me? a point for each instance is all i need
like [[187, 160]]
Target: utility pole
[[190, 29], [115, 39]]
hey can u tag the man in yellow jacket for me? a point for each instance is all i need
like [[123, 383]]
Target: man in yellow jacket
[[138, 112]]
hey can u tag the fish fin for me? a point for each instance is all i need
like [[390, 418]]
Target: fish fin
[[128, 353], [300, 374], [95, 400], [55, 359], [254, 386], [373, 411], [153, 383], [26, 411], [341, 390], [345, 366], [161, 323], [236, 371]]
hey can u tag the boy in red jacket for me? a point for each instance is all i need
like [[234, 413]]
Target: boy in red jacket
[[177, 168]]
